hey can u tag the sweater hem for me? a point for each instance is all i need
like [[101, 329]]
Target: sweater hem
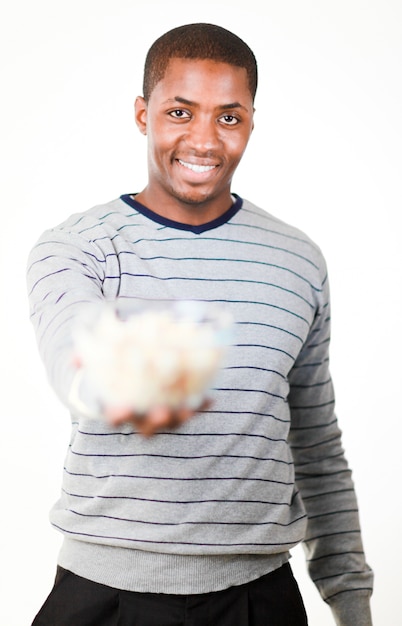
[[151, 572]]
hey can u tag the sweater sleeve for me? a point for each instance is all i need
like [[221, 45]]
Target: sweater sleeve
[[64, 274], [333, 544]]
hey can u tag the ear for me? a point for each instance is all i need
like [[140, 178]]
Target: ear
[[140, 109]]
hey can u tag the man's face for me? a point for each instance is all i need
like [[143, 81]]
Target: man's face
[[198, 121]]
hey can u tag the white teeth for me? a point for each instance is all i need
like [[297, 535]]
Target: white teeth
[[197, 168]]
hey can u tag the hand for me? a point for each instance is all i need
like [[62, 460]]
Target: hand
[[155, 420], [82, 399]]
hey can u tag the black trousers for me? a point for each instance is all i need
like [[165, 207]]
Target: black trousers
[[272, 600]]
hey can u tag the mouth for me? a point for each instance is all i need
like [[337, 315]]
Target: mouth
[[197, 168]]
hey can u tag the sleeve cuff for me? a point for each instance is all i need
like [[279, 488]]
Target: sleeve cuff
[[352, 608]]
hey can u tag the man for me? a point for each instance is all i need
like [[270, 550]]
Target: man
[[193, 524]]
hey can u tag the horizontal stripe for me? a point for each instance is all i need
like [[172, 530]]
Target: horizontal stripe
[[324, 494], [210, 435], [217, 240], [180, 478], [341, 573], [334, 555], [180, 502], [181, 457], [187, 523], [337, 534], [181, 543], [351, 589], [232, 261], [210, 280]]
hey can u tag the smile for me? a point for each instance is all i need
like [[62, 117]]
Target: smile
[[200, 169]]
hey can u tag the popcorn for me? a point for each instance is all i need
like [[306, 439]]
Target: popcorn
[[165, 355]]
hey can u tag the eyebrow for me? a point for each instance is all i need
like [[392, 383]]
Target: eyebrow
[[222, 107]]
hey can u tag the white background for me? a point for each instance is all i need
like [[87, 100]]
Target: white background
[[325, 155]]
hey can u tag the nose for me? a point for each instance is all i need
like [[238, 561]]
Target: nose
[[203, 135]]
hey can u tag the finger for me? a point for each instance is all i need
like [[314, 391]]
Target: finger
[[119, 415], [206, 404], [182, 415], [156, 419]]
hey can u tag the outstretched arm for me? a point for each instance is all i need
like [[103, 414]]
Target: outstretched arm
[[65, 276]]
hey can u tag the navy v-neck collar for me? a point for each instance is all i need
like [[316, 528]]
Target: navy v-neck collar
[[201, 228]]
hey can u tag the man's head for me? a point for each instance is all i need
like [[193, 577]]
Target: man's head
[[197, 112], [198, 41]]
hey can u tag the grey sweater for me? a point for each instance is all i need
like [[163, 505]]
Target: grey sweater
[[222, 499]]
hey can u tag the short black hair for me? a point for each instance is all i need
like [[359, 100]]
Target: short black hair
[[198, 41]]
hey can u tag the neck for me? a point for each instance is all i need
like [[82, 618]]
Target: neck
[[192, 213]]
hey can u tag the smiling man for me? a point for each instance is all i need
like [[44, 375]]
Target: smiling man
[[193, 524]]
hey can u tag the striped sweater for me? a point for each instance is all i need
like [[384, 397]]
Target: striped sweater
[[222, 499]]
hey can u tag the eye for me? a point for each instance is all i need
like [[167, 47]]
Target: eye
[[179, 114], [230, 120]]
